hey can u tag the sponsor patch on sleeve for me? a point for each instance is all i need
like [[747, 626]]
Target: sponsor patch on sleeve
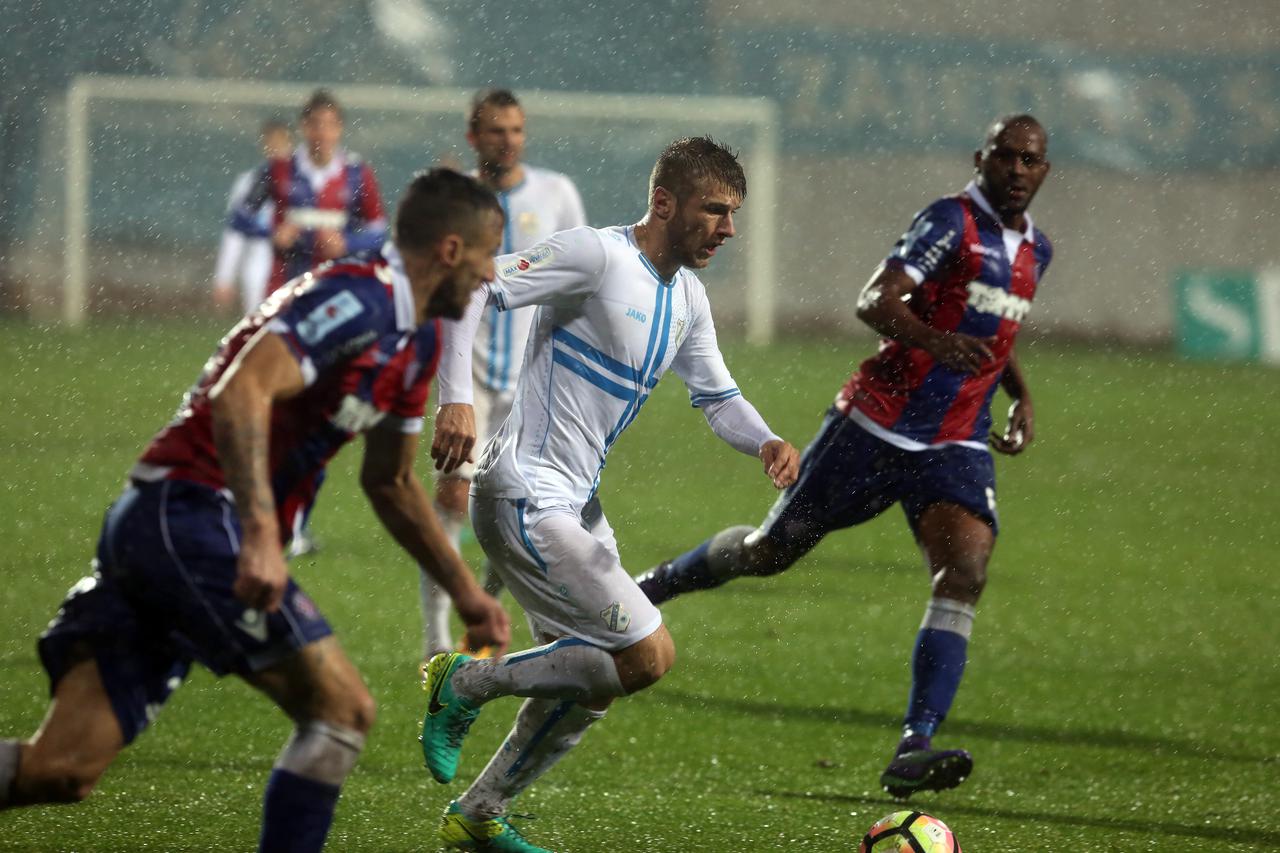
[[329, 315], [526, 261]]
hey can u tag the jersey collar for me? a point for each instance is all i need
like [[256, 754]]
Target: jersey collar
[[980, 200], [315, 175], [401, 291]]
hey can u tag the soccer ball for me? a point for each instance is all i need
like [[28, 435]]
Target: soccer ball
[[909, 832]]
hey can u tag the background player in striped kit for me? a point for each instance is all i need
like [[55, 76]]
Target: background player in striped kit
[[538, 203], [912, 426], [617, 308], [245, 259]]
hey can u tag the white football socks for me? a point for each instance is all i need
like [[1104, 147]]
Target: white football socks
[[946, 614], [566, 669], [321, 752], [545, 731], [435, 601]]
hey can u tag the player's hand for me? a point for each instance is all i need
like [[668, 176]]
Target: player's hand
[[961, 352], [485, 620], [781, 462], [261, 573], [1019, 431], [285, 236], [454, 436], [330, 244]]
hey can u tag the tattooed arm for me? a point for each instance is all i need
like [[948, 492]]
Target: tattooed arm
[[263, 372]]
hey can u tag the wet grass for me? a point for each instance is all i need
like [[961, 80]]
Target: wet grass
[[1121, 693]]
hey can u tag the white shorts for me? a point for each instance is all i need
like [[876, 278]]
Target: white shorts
[[565, 571], [491, 409]]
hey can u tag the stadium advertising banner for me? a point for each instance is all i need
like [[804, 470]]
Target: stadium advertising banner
[[845, 91], [1232, 314]]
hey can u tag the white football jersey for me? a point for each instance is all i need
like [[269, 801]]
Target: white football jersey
[[607, 329], [542, 204]]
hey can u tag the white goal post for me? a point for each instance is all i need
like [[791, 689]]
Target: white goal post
[[700, 114]]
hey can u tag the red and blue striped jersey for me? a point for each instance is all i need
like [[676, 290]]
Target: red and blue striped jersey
[[340, 196], [975, 277], [350, 325]]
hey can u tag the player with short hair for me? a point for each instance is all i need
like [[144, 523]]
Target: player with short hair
[[618, 307], [190, 562], [538, 203], [911, 427], [245, 257]]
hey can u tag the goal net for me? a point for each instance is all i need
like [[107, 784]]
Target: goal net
[[148, 164]]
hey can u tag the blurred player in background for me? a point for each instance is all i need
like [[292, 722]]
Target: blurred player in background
[[618, 307], [190, 562], [911, 426], [537, 203], [326, 199], [245, 254], [326, 205]]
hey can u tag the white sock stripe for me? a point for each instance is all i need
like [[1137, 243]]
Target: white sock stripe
[[321, 752], [945, 614]]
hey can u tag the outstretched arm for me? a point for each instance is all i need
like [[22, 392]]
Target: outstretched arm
[[1020, 430], [405, 510], [264, 372]]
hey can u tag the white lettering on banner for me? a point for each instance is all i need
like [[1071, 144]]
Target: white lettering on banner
[[1229, 319], [994, 300], [356, 415]]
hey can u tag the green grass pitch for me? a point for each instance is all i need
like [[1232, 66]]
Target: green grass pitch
[[1122, 692]]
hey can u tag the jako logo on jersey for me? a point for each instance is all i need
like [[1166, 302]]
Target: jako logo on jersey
[[529, 260], [993, 300], [637, 315], [329, 315], [356, 415]]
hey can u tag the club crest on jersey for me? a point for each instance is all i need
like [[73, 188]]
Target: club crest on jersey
[[993, 300], [616, 617], [526, 261], [329, 315]]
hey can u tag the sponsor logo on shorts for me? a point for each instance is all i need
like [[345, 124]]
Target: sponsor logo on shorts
[[254, 623], [616, 617]]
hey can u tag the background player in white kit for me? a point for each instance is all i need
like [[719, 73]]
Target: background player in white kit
[[244, 259], [537, 203], [618, 307]]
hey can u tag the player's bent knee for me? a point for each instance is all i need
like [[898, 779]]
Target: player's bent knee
[[762, 556], [643, 664], [962, 582]]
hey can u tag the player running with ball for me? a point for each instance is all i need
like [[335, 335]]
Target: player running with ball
[[911, 427], [618, 307]]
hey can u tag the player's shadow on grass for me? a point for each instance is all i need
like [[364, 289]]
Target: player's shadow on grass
[[1221, 834], [1109, 738]]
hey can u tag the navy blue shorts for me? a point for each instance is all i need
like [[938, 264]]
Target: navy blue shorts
[[848, 476], [160, 597]]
